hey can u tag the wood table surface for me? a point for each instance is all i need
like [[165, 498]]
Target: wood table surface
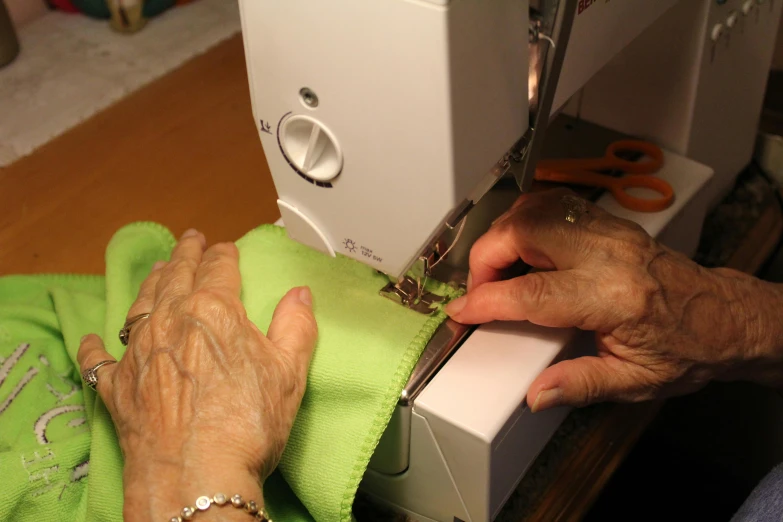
[[182, 151]]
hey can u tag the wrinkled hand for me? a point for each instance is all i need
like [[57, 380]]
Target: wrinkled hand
[[201, 395], [664, 325]]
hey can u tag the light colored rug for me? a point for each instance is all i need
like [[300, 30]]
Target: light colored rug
[[72, 66]]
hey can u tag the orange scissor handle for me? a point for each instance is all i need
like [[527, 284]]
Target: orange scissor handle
[[652, 152], [612, 161], [619, 186]]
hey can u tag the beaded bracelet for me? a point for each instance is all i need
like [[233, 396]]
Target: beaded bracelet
[[204, 503]]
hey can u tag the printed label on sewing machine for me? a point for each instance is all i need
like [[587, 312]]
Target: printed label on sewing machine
[[366, 252], [584, 4], [351, 247]]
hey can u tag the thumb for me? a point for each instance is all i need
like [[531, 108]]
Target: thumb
[[91, 353], [587, 380], [559, 299], [293, 329]]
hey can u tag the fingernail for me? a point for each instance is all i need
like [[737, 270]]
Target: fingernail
[[189, 233], [84, 338], [456, 306], [547, 399], [470, 281], [158, 265], [306, 296]]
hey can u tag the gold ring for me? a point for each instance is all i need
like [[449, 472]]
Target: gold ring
[[574, 207], [125, 330]]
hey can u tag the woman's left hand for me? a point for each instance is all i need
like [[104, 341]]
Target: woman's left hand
[[202, 401]]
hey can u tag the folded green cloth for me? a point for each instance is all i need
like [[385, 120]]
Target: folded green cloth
[[59, 456]]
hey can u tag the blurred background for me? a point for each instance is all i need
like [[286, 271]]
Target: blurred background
[[62, 61]]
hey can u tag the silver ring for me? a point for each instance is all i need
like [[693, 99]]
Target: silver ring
[[574, 207], [90, 375], [125, 330]]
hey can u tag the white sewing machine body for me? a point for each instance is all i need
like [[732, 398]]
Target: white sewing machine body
[[417, 101], [471, 436], [384, 122]]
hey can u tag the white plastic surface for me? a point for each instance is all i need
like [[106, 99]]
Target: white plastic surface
[[510, 356], [480, 391], [393, 458], [455, 470], [600, 31], [424, 98], [426, 491], [300, 226]]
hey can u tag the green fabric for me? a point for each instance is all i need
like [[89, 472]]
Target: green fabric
[[54, 434]]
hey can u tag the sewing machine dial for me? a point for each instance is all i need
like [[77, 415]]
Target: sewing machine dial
[[311, 149]]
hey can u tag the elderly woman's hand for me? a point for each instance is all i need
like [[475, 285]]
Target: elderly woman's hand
[[202, 401], [663, 324]]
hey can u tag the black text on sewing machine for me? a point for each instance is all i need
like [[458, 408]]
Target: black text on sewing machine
[[366, 252]]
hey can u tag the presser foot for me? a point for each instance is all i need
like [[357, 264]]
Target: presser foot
[[411, 290], [411, 294]]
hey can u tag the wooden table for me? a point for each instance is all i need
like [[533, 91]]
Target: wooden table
[[184, 152]]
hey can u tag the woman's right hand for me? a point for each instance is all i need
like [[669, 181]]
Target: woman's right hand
[[664, 325]]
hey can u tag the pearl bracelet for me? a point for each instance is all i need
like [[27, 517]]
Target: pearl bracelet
[[204, 503]]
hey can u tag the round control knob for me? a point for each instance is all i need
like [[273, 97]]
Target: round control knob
[[747, 7], [311, 148]]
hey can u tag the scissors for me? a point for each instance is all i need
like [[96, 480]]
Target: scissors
[[586, 172]]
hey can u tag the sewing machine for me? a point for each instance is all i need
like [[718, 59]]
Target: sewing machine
[[397, 130]]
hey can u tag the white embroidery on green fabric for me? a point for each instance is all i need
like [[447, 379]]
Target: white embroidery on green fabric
[[37, 458], [44, 420], [77, 473], [43, 475], [31, 373], [9, 363], [76, 422], [80, 471]]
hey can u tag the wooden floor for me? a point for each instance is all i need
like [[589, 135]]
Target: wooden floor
[[183, 152]]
